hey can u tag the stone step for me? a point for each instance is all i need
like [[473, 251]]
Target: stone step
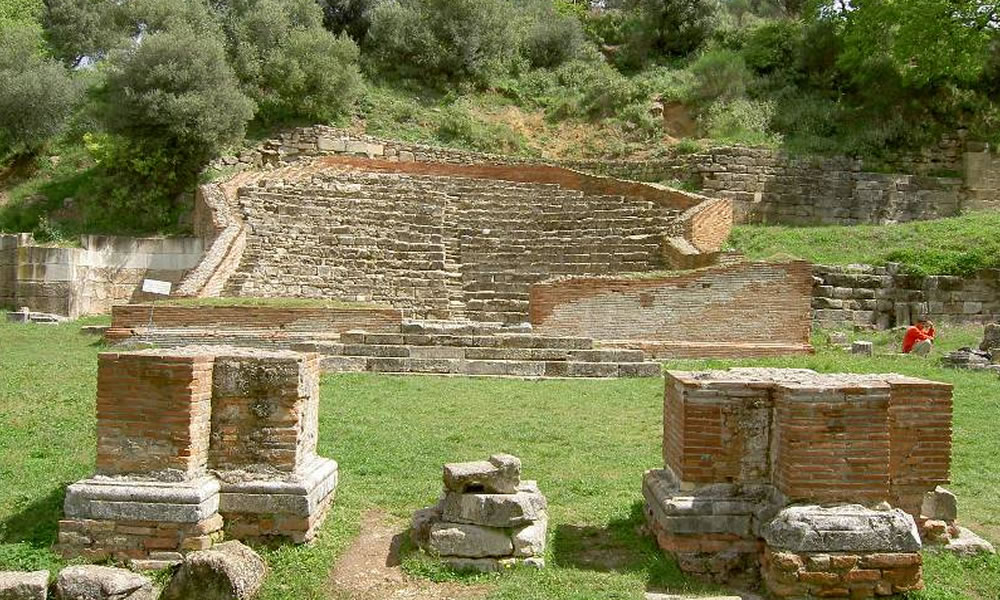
[[461, 327], [503, 340], [496, 368]]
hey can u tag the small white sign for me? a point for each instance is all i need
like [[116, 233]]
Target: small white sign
[[152, 286]]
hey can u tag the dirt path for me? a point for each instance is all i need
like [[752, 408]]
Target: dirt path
[[370, 570]]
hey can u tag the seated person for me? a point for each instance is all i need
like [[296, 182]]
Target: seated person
[[919, 338]]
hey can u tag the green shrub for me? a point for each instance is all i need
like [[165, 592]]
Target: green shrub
[[720, 75], [287, 61], [594, 90], [351, 17], [741, 121], [37, 94], [773, 46], [665, 28], [550, 38], [176, 90], [461, 40], [79, 29]]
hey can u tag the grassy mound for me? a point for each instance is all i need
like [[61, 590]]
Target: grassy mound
[[955, 246]]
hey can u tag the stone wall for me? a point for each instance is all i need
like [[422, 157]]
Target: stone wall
[[885, 297], [90, 279], [719, 311], [766, 186], [982, 177]]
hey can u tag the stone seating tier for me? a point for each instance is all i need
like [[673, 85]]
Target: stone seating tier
[[437, 246]]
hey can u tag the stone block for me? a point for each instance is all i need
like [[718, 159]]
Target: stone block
[[530, 540], [470, 541], [495, 510], [291, 508], [92, 582], [229, 571], [847, 528], [121, 499], [15, 585], [479, 565], [862, 348], [501, 474], [940, 505]]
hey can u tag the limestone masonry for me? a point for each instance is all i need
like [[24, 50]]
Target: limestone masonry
[[194, 441], [487, 518], [819, 485]]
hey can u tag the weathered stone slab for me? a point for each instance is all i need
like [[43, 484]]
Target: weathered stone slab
[[848, 528], [969, 544], [123, 499], [501, 474], [15, 585], [229, 571], [92, 582], [494, 510], [530, 540], [469, 541]]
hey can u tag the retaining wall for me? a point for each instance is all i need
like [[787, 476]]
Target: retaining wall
[[88, 280], [438, 239], [884, 297]]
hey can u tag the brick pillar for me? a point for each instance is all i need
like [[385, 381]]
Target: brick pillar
[[153, 414], [832, 443], [265, 423], [154, 498], [921, 428]]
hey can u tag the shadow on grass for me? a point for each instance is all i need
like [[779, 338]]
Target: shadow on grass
[[624, 547], [37, 524]]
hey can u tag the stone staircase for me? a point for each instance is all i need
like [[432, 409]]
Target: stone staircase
[[475, 348]]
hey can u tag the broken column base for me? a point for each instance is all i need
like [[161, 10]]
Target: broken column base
[[125, 519], [292, 509], [711, 531]]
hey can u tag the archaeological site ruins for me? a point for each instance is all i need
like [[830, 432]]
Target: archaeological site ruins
[[328, 252]]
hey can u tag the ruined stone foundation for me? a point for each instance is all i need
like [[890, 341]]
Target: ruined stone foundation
[[196, 440], [811, 484], [487, 518]]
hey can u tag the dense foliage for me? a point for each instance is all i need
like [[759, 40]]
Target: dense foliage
[[158, 87]]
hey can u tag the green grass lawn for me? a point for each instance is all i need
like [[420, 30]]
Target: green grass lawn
[[586, 442], [955, 246]]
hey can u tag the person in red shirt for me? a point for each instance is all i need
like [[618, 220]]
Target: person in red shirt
[[919, 338]]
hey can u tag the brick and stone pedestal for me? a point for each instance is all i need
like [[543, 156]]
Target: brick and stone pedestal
[[265, 421], [744, 448], [487, 519], [194, 439], [152, 495]]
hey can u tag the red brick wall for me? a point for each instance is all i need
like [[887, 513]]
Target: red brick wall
[[832, 444], [717, 434], [708, 225], [303, 319], [920, 452], [740, 303], [153, 413]]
